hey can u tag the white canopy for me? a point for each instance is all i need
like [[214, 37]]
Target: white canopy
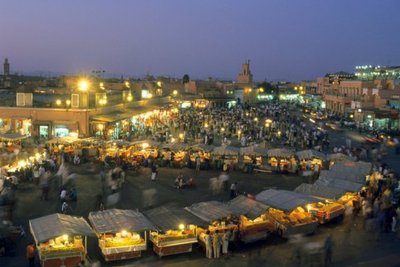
[[115, 220], [339, 157], [209, 211], [55, 225], [320, 190], [204, 147], [226, 150], [349, 171], [310, 154], [149, 142], [176, 146], [242, 205], [281, 153], [284, 200], [345, 185], [254, 150]]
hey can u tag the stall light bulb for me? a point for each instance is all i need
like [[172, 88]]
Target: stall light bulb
[[181, 226]]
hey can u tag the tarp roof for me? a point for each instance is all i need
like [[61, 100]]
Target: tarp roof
[[115, 220], [151, 143], [209, 211], [281, 153], [349, 171], [226, 150], [310, 154], [253, 150], [242, 205], [339, 183], [55, 225], [176, 146], [204, 147], [320, 190], [12, 136], [170, 217], [284, 200], [63, 140], [339, 157]]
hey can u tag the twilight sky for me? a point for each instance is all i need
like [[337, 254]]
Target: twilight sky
[[284, 39]]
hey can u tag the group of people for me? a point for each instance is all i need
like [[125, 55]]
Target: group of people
[[216, 242]]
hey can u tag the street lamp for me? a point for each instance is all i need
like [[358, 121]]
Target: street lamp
[[83, 85], [58, 102], [175, 92]]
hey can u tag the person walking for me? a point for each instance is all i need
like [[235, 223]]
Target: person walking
[[154, 172], [208, 242], [198, 164], [328, 250], [233, 190], [64, 207], [216, 240], [30, 254]]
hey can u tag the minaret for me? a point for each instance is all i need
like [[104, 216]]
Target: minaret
[[6, 68], [245, 75]]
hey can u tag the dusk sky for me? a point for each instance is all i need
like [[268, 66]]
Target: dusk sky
[[285, 40]]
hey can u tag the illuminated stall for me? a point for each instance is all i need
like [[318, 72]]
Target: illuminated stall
[[254, 224], [176, 230], [204, 152], [309, 158], [253, 156], [143, 149], [288, 211], [281, 159], [60, 239], [121, 233], [216, 215], [175, 153], [226, 155]]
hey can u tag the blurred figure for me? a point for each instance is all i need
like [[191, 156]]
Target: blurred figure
[[233, 190], [328, 246]]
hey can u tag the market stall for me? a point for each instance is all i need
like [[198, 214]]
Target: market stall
[[309, 159], [339, 195], [60, 239], [175, 154], [337, 157], [142, 150], [216, 215], [121, 233], [204, 152], [254, 156], [254, 224], [281, 159], [225, 156], [176, 230], [288, 211]]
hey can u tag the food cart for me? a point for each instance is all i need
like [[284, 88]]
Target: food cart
[[60, 239], [288, 211], [281, 159], [309, 158], [254, 224], [217, 217], [121, 233], [176, 230]]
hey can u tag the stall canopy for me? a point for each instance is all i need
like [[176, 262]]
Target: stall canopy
[[310, 154], [55, 225], [281, 153], [209, 211], [242, 205], [176, 146], [204, 147], [115, 220], [254, 150], [284, 200], [348, 186], [350, 171], [63, 140], [12, 137], [169, 217], [339, 157], [226, 150], [150, 143], [320, 190]]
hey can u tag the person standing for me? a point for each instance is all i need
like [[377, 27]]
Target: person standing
[[198, 164], [64, 207], [30, 254], [233, 190], [208, 243], [216, 240], [225, 242], [328, 250]]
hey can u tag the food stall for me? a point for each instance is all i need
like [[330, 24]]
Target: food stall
[[253, 155], [337, 157], [178, 150], [176, 230], [204, 152], [254, 224], [288, 211], [225, 155], [281, 159], [309, 158], [144, 149], [339, 195], [121, 233], [216, 215], [60, 239]]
